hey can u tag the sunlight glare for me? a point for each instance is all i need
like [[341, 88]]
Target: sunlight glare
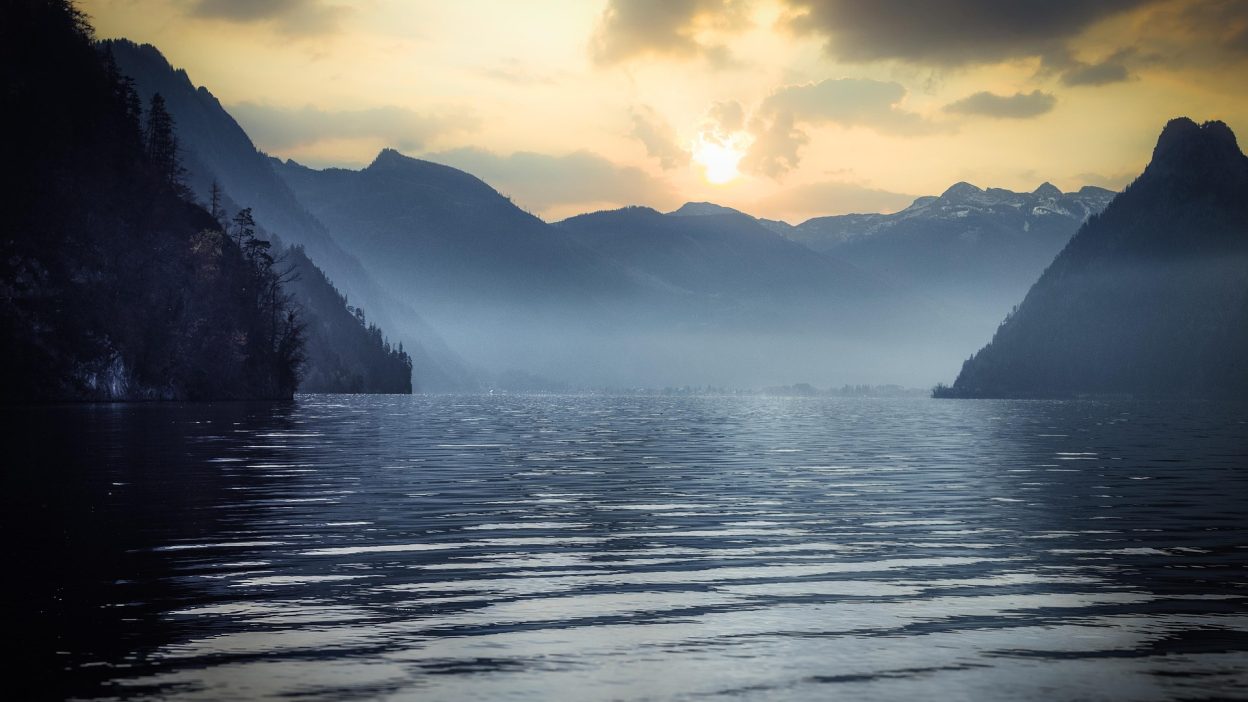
[[720, 158]]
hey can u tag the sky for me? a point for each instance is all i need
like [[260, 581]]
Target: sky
[[786, 109]]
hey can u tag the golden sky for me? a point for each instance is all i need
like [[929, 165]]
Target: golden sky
[[783, 108]]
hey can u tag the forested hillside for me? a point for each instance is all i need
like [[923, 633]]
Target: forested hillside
[[218, 152], [1150, 298], [345, 352], [113, 285]]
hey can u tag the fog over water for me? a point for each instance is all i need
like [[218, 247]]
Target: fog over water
[[597, 547], [440, 392]]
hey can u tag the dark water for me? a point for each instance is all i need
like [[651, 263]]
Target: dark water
[[585, 548]]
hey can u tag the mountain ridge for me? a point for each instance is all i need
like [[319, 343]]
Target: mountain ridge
[[217, 149], [1149, 298], [116, 286], [600, 291]]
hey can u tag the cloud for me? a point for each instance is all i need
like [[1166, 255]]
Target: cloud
[[947, 32], [658, 137], [515, 72], [1110, 69], [1221, 26], [1201, 42], [776, 145], [849, 102], [1016, 106], [723, 124], [728, 116], [292, 17], [1102, 73], [279, 128], [544, 181], [632, 28], [832, 197]]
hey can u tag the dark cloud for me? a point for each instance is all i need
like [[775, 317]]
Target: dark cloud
[[948, 32], [540, 181], [1113, 68], [244, 10], [1016, 106], [630, 28], [833, 197], [278, 128], [293, 17], [1102, 73], [1238, 42], [1216, 32], [1193, 36], [658, 137], [848, 102]]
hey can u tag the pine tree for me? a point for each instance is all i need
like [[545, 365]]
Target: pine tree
[[161, 146], [215, 207], [244, 227]]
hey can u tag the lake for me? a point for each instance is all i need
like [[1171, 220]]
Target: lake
[[602, 548]]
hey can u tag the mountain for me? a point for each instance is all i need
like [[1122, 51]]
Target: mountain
[[505, 289], [114, 285], [622, 298], [345, 354], [732, 267], [972, 249], [215, 148], [438, 234], [967, 213], [746, 303], [625, 297], [698, 209], [1149, 298]]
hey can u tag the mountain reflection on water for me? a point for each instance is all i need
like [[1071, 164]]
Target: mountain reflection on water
[[587, 548]]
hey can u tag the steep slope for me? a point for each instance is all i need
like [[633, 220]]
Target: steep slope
[[114, 286], [505, 289], [345, 354], [618, 298], [1149, 298], [976, 250], [443, 236], [217, 149]]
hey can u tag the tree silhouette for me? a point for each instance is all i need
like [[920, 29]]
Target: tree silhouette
[[161, 147], [116, 285], [215, 207]]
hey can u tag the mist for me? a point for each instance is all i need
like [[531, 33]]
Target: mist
[[572, 355], [489, 414]]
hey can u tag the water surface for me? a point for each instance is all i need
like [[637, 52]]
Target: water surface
[[586, 548]]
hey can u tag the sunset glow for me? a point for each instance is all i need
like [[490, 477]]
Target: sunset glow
[[720, 160], [844, 105], [561, 350]]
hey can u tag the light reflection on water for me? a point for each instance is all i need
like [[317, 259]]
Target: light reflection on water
[[630, 548]]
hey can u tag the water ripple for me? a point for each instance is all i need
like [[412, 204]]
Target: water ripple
[[640, 548]]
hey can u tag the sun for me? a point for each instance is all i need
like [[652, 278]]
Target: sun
[[720, 158]]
